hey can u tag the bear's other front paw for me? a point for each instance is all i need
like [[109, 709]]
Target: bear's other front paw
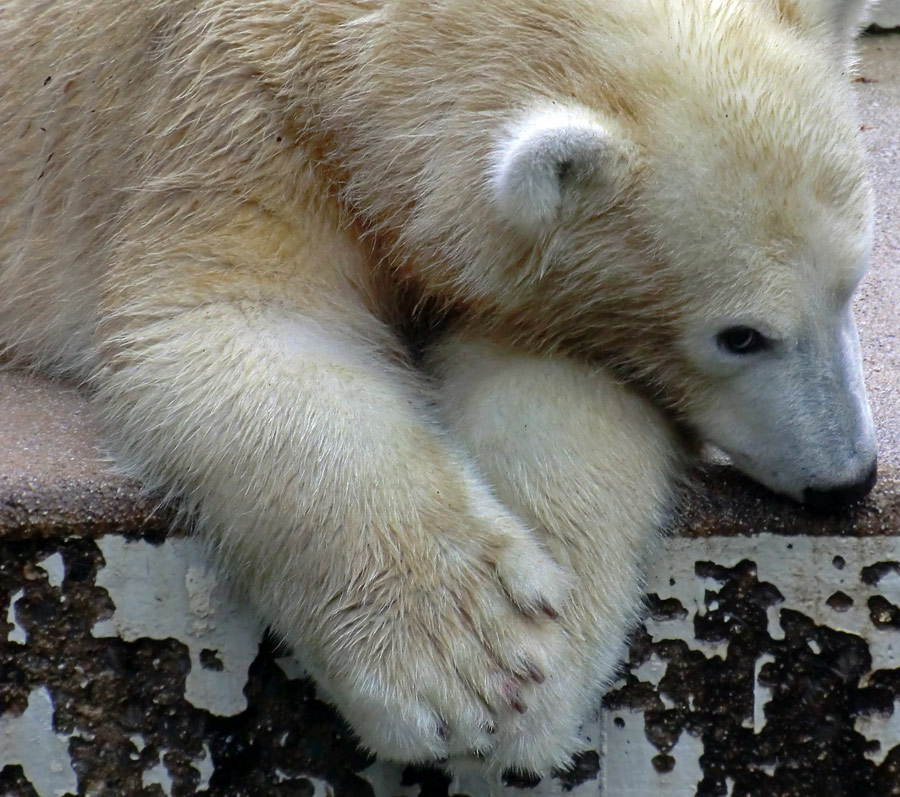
[[444, 650]]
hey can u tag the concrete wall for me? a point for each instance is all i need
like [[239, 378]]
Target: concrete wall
[[767, 665]]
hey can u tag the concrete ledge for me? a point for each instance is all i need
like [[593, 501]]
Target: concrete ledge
[[769, 663], [54, 479]]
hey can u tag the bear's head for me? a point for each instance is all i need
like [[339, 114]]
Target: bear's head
[[703, 220]]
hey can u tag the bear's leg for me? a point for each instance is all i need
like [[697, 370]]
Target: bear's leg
[[282, 415], [592, 467]]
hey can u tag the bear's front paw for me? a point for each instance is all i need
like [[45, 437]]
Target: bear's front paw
[[449, 645]]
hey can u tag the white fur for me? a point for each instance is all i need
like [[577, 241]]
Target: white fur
[[546, 150], [598, 531], [212, 212], [797, 419]]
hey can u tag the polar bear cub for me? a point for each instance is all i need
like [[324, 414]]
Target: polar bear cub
[[413, 306]]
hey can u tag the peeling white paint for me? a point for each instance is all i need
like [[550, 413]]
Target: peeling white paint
[[168, 591], [18, 633], [806, 571], [886, 14], [652, 671], [55, 569], [889, 585], [384, 778], [802, 568], [627, 769], [761, 694], [773, 622], [675, 578], [200, 583], [805, 574], [205, 767], [30, 741], [881, 728], [476, 782], [292, 668], [322, 789], [687, 752], [138, 742], [158, 775]]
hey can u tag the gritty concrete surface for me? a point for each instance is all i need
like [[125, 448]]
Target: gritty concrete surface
[[765, 666], [878, 305], [53, 473]]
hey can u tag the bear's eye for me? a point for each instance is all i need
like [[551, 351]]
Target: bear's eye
[[742, 340]]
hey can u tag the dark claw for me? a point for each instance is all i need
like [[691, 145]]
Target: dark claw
[[536, 675], [443, 731], [550, 611], [518, 705]]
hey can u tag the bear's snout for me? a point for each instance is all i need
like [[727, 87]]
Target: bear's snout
[[834, 498]]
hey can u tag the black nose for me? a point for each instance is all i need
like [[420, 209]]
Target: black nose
[[837, 497]]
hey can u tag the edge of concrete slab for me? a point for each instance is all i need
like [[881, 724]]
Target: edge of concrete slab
[[47, 493]]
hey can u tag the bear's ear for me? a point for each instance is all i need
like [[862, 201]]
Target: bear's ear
[[549, 153]]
